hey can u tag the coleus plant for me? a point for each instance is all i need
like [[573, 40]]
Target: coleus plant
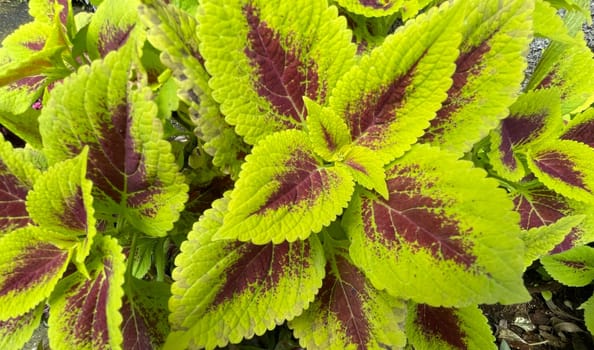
[[383, 184], [88, 203], [387, 193]]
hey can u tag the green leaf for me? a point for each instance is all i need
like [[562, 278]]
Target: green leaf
[[380, 8], [86, 311], [327, 132], [24, 125], [17, 177], [548, 24], [581, 128], [366, 168], [550, 222], [388, 99], [132, 168], [46, 10], [578, 12], [285, 192], [574, 267], [174, 32], [557, 236], [488, 73], [569, 69], [61, 201], [348, 312], [30, 60], [444, 225], [144, 312], [265, 57], [15, 332], [30, 267], [111, 27], [22, 82], [225, 290], [429, 328], [534, 117], [565, 166], [588, 307]]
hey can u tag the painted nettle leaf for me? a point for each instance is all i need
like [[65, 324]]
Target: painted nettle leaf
[[488, 73], [30, 59], [85, 310], [581, 128], [132, 169], [15, 332], [61, 201], [567, 67], [534, 117], [438, 222], [285, 192], [550, 222], [265, 57], [549, 25], [388, 99], [225, 290], [174, 32], [348, 312], [431, 328], [566, 167], [17, 177], [111, 26], [574, 267], [377, 8], [144, 314], [30, 268]]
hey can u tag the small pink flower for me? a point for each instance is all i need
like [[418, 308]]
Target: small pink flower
[[37, 105]]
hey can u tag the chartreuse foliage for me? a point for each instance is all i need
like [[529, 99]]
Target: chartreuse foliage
[[367, 172], [330, 130], [97, 183]]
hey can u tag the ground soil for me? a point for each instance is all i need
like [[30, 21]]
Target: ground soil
[[551, 320]]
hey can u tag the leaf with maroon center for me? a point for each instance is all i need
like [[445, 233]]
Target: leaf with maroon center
[[15, 332], [567, 68], [132, 168], [574, 267], [111, 27], [250, 288], [86, 311], [61, 201], [439, 218], [30, 61], [581, 128], [144, 312], [388, 99], [430, 327], [45, 10], [22, 82], [488, 73], [275, 56], [348, 311], [282, 78], [551, 223], [285, 192], [17, 177], [30, 267], [565, 166], [533, 117], [379, 8]]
